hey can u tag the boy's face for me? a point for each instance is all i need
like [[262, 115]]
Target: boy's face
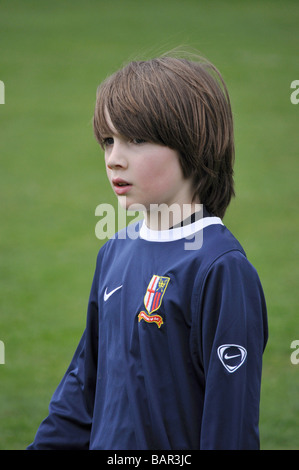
[[144, 173]]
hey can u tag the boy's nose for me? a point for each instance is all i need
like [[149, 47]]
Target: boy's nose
[[115, 157]]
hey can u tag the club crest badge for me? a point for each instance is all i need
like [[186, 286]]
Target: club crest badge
[[153, 299]]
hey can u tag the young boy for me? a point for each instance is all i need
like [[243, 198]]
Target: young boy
[[171, 356]]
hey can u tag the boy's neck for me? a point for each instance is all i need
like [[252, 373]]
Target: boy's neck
[[164, 217]]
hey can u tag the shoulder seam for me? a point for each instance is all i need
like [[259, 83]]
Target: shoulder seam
[[204, 276]]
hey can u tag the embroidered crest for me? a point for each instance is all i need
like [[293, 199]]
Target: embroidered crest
[[153, 299]]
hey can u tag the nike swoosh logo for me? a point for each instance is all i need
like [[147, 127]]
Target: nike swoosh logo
[[107, 295], [226, 356]]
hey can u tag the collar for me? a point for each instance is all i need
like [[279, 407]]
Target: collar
[[177, 233]]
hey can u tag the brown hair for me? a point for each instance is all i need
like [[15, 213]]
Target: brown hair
[[182, 104]]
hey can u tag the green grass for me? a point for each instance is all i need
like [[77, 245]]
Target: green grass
[[53, 55]]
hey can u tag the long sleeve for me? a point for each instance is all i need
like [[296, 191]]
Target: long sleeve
[[233, 337], [68, 424]]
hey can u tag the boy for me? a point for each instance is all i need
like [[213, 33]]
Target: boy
[[171, 356]]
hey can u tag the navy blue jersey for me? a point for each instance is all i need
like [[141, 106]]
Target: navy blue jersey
[[171, 356]]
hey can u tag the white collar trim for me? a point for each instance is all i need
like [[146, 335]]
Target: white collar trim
[[177, 233]]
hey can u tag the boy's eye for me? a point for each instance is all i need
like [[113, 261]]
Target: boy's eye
[[108, 141], [138, 141]]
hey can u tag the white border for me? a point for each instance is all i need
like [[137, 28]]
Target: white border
[[177, 233]]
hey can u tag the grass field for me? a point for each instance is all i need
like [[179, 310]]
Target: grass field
[[53, 55]]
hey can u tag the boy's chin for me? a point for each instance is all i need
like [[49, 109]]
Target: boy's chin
[[130, 206]]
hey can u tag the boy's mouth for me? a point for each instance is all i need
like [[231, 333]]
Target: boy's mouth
[[121, 186]]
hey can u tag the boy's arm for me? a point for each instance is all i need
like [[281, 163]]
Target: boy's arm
[[69, 421], [234, 334]]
